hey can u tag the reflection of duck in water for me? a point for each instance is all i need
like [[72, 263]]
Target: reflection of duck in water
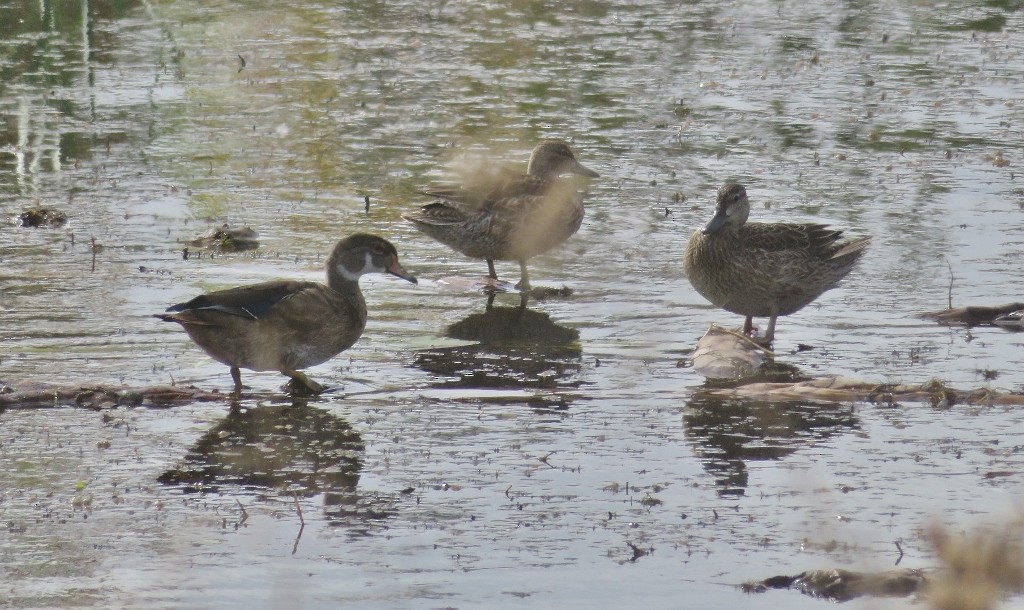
[[765, 269], [288, 325], [295, 446], [513, 347], [499, 325], [514, 218], [728, 433]]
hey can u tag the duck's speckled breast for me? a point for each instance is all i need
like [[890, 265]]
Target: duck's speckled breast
[[719, 269]]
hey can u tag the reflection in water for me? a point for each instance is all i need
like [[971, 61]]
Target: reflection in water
[[727, 434], [294, 448], [52, 88], [515, 347]]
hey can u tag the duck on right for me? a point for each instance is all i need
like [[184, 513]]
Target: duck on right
[[765, 270]]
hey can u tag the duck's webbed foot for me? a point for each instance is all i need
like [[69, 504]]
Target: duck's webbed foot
[[301, 384]]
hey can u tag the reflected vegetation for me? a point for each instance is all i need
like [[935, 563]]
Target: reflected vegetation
[[513, 347], [48, 55], [728, 434], [290, 449]]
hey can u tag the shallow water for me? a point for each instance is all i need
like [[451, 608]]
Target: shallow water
[[449, 471]]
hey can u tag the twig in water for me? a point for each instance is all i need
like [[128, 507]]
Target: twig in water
[[951, 277], [245, 515], [298, 509], [899, 548], [302, 523], [637, 552]]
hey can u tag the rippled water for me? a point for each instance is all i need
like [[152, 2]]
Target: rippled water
[[455, 469]]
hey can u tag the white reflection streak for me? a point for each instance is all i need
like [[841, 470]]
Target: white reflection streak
[[38, 139], [85, 36], [87, 72], [19, 148]]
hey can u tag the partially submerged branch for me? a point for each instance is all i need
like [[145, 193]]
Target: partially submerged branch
[[37, 395], [973, 315]]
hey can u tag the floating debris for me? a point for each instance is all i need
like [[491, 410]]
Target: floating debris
[[145, 269], [1012, 321], [43, 217], [1007, 315], [843, 585], [726, 354], [227, 239], [541, 293]]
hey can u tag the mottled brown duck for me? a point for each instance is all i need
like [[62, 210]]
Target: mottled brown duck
[[288, 325], [765, 269], [514, 217]]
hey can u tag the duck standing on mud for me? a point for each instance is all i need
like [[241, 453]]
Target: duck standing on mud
[[513, 218], [286, 325], [765, 269]]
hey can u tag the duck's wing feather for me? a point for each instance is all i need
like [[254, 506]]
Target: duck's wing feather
[[518, 196], [814, 239], [438, 213], [511, 197], [254, 301]]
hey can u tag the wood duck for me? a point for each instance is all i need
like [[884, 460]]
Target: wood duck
[[286, 325], [765, 269]]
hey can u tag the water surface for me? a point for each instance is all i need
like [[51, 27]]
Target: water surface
[[445, 471]]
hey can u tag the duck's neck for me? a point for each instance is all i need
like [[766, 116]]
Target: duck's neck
[[340, 282], [348, 296]]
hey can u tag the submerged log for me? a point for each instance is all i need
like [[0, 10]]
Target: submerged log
[[973, 315], [36, 395], [844, 389], [751, 373]]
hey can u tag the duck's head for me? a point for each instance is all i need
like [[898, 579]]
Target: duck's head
[[731, 209], [362, 253], [552, 158]]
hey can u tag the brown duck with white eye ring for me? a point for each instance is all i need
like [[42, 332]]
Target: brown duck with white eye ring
[[286, 325], [514, 217], [765, 269]]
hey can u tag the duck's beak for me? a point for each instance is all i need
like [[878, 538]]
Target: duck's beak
[[395, 269], [579, 170], [717, 221]]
